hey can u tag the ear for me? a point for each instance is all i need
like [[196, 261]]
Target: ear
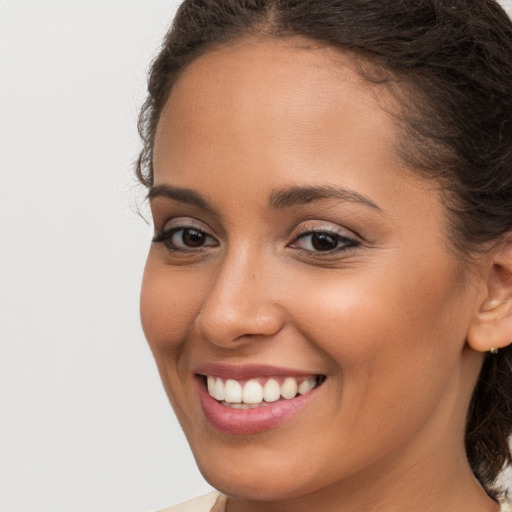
[[491, 325]]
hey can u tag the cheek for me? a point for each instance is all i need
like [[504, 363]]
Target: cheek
[[388, 334], [401, 307], [167, 316], [167, 312]]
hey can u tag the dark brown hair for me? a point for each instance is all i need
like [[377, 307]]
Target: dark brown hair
[[449, 65]]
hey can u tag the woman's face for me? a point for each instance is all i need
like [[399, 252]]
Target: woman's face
[[294, 249]]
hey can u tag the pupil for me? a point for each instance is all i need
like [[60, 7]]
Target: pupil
[[324, 242], [193, 238]]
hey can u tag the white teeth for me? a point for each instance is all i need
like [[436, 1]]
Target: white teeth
[[271, 391], [289, 388], [232, 392], [252, 392], [306, 386], [245, 406], [218, 389], [211, 385]]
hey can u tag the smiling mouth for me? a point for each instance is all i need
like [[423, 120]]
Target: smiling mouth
[[259, 392]]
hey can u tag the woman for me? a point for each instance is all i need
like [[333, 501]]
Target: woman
[[328, 295]]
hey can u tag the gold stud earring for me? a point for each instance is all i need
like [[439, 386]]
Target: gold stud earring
[[493, 351]]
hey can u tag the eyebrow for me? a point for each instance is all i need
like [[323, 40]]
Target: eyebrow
[[279, 199], [297, 196], [183, 195]]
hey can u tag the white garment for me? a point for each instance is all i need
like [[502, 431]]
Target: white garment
[[206, 504], [200, 504]]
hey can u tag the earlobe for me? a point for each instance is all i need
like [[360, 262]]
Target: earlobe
[[491, 326]]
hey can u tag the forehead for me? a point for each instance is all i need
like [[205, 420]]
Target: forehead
[[273, 99], [247, 120]]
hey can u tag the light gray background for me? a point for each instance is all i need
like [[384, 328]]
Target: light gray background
[[85, 425]]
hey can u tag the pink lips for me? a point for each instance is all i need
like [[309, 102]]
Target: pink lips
[[249, 421]]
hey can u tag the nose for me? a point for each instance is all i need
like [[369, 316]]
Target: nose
[[241, 303]]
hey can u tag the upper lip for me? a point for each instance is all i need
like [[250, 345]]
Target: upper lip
[[245, 372]]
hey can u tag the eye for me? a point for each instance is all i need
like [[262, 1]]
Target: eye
[[323, 241], [183, 238]]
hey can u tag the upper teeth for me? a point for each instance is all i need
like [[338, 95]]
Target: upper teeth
[[254, 392]]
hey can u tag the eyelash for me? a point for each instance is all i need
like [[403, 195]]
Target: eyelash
[[166, 236], [346, 242]]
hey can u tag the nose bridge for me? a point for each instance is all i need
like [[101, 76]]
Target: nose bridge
[[240, 301]]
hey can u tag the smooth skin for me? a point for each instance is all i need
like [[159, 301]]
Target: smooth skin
[[357, 281]]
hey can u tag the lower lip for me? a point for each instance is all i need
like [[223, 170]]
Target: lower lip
[[250, 421]]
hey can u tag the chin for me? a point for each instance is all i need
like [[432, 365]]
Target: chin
[[263, 478], [255, 486]]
